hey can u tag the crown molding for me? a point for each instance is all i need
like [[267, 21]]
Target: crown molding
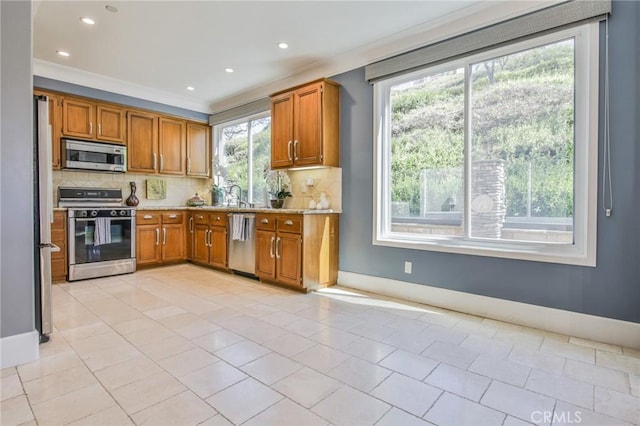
[[479, 15], [97, 81]]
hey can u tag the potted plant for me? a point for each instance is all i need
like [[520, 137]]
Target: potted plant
[[278, 184], [217, 194]]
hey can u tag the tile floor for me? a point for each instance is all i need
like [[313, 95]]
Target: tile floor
[[183, 345]]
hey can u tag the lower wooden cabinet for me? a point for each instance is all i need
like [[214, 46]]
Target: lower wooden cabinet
[[209, 239], [299, 251], [59, 238], [160, 237]]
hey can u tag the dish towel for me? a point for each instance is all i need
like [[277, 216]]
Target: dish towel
[[248, 227], [237, 227], [102, 231]]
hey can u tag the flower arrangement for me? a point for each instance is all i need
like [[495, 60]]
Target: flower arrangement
[[278, 184]]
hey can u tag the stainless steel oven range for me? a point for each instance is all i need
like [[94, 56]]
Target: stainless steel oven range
[[101, 232]]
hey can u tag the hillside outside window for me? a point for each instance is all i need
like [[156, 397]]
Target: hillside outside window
[[493, 154]]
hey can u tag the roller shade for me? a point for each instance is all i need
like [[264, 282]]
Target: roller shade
[[255, 107], [533, 24]]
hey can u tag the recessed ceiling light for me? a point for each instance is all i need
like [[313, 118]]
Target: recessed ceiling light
[[283, 45], [63, 53], [111, 9], [229, 70], [191, 88], [87, 21]]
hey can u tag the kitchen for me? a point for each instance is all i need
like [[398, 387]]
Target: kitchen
[[356, 252]]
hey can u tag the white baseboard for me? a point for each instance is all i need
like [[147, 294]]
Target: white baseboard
[[19, 349], [591, 327]]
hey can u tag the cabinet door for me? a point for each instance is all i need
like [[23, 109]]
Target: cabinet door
[[148, 240], [59, 238], [172, 147], [282, 131], [198, 149], [201, 244], [55, 121], [190, 235], [173, 244], [78, 119], [142, 132], [218, 247], [111, 124], [307, 119], [265, 254], [289, 258]]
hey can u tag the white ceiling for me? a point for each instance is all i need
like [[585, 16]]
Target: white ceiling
[[154, 49]]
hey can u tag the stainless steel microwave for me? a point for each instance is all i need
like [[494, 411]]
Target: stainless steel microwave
[[83, 155]]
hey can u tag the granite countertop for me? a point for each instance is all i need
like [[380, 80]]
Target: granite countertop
[[240, 209]]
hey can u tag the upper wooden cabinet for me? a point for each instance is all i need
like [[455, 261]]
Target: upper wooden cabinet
[[142, 142], [198, 148], [171, 146], [55, 121], [305, 126], [94, 121]]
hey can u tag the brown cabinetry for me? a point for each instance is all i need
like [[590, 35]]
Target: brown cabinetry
[[160, 237], [297, 250], [55, 121], [209, 239], [59, 238], [305, 126], [142, 142], [198, 148], [171, 146], [93, 121]]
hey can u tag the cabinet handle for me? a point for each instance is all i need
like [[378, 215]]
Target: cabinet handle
[[210, 242], [164, 236], [154, 161], [288, 222], [295, 150], [172, 216], [161, 162], [90, 127], [200, 217], [289, 150], [218, 218], [277, 251], [147, 216], [273, 239], [157, 236], [188, 164], [99, 129], [191, 225], [264, 221], [206, 238]]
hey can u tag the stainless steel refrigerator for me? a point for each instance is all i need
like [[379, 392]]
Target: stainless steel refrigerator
[[43, 211]]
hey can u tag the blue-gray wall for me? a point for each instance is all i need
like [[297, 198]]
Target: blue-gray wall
[[74, 89], [16, 168], [612, 289]]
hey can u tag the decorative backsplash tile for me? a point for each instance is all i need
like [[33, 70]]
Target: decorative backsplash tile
[[178, 189], [307, 185], [156, 189]]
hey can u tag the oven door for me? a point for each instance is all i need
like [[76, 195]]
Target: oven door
[[86, 245]]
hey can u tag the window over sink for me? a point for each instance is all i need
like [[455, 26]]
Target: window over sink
[[242, 151]]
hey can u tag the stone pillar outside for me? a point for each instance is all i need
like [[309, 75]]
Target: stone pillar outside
[[488, 198]]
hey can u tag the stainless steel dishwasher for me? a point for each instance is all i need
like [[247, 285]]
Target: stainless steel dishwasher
[[242, 242]]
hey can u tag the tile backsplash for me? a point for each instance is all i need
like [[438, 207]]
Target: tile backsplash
[[179, 189], [327, 180]]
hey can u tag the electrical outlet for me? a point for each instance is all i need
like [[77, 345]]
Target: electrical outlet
[[407, 267]]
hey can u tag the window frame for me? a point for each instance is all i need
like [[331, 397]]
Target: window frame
[[583, 250], [217, 132]]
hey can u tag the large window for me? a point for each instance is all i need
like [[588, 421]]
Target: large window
[[493, 154], [242, 151]]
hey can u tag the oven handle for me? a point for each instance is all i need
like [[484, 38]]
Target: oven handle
[[89, 219]]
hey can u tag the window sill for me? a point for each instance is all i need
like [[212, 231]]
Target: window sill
[[549, 253]]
